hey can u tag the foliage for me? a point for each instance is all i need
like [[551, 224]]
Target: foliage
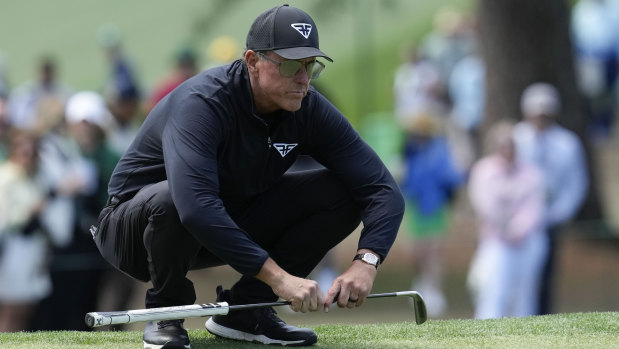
[[363, 36]]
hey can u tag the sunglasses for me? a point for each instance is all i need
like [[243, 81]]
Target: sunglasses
[[290, 68]]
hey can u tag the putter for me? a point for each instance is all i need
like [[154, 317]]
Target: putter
[[98, 319]]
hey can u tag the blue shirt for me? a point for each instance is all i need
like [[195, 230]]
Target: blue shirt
[[558, 152], [430, 177]]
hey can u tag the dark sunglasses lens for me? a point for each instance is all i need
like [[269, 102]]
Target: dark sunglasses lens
[[314, 69], [290, 68]]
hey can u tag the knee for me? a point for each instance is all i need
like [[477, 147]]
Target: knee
[[162, 204]]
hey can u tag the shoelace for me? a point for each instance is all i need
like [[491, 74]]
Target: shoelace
[[270, 314]]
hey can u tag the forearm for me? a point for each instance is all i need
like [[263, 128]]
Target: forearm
[[272, 274]]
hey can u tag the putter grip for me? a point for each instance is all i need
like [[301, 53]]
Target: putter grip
[[98, 319]]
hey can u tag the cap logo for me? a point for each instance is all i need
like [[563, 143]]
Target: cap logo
[[303, 29]]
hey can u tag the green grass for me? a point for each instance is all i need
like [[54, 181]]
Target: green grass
[[578, 330]]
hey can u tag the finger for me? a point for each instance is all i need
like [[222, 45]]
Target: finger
[[295, 305], [352, 302], [332, 294], [320, 298], [342, 300], [362, 297], [314, 301], [360, 301]]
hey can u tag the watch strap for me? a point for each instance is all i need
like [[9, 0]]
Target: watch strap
[[361, 255]]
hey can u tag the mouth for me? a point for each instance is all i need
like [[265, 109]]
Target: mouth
[[298, 93]]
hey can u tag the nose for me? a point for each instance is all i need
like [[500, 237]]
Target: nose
[[302, 77]]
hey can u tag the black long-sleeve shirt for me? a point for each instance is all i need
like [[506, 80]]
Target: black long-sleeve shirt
[[218, 153]]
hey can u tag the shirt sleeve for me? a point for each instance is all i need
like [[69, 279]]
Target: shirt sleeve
[[190, 143], [528, 208], [567, 200], [338, 146]]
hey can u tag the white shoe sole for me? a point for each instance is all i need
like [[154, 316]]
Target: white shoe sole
[[230, 333], [156, 346]]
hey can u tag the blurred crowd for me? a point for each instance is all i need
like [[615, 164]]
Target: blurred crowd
[[58, 148], [524, 179]]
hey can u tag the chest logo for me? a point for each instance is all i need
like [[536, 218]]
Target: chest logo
[[303, 29], [284, 148]]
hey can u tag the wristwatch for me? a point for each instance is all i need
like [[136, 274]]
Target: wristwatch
[[368, 258]]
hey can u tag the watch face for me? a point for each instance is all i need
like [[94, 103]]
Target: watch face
[[370, 258]]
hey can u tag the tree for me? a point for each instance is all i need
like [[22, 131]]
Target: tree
[[525, 41]]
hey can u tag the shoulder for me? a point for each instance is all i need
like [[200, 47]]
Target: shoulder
[[564, 139], [211, 81], [222, 89], [523, 130]]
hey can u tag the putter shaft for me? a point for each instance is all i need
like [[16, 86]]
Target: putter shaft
[[98, 319]]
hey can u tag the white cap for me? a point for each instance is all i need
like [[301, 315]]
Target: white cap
[[86, 106], [540, 98]]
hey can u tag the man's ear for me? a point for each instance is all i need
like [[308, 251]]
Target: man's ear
[[251, 58]]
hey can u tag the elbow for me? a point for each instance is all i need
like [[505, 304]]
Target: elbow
[[195, 214], [398, 202], [190, 219]]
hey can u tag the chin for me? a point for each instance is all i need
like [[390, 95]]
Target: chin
[[292, 106]]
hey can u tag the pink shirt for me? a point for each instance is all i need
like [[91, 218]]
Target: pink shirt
[[508, 198]]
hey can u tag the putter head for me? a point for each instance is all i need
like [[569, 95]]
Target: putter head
[[421, 314]]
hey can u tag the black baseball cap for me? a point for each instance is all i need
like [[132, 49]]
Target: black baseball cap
[[287, 31]]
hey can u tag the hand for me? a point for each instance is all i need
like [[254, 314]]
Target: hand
[[515, 237], [304, 295], [73, 185], [351, 288]]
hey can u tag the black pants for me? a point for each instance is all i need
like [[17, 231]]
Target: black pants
[[297, 221], [546, 289]]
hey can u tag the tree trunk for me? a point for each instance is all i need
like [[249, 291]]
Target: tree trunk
[[526, 41]]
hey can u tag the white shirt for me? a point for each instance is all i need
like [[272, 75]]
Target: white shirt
[[559, 154]]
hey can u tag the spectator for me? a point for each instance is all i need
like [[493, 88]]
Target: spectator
[[86, 115], [63, 169], [122, 122], [186, 67], [24, 100], [77, 268], [222, 50], [417, 89], [450, 40], [508, 198], [24, 276], [122, 91], [466, 88], [559, 154], [429, 183], [595, 33]]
